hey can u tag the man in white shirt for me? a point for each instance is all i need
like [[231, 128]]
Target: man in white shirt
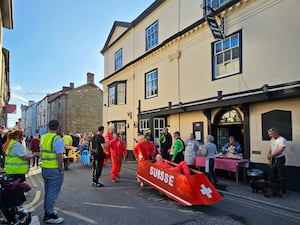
[[276, 155]]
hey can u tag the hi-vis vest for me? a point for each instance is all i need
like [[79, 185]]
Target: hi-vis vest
[[48, 152], [13, 163]]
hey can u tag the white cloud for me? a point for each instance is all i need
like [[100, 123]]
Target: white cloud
[[17, 87], [19, 98]]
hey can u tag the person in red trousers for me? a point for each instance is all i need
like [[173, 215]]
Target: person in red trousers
[[182, 167], [116, 149], [107, 138], [144, 150]]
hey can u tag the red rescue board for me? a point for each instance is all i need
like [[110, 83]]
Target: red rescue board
[[188, 190]]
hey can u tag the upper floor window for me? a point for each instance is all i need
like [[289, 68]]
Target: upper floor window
[[227, 56], [151, 84], [152, 35], [214, 4], [117, 93], [119, 59]]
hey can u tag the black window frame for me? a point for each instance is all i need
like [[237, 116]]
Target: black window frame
[[145, 84], [115, 85], [213, 67]]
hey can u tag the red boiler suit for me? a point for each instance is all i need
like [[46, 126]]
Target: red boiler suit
[[117, 149], [144, 150], [181, 167], [107, 138]]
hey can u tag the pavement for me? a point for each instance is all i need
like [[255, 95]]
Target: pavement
[[289, 201]]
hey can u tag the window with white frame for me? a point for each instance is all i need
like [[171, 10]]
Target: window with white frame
[[119, 59], [117, 93], [214, 4], [152, 35], [144, 125], [159, 124], [227, 56], [112, 96], [151, 84]]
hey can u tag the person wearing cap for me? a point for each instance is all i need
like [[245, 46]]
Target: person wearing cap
[[16, 157], [276, 156], [52, 147], [144, 150]]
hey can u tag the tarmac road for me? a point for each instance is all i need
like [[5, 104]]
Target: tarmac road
[[126, 202]]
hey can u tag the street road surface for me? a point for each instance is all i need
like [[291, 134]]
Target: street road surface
[[127, 203]]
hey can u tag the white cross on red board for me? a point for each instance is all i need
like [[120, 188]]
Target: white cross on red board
[[206, 191]]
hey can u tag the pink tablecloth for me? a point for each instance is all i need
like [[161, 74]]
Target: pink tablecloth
[[224, 163]]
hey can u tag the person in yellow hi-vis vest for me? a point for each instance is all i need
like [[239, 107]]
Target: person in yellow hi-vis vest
[[52, 147], [16, 157]]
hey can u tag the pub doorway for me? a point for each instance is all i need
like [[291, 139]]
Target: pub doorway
[[228, 122]]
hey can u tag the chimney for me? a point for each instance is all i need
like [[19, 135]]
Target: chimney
[[72, 85], [90, 78], [30, 103]]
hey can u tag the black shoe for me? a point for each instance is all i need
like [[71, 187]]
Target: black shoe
[[53, 219], [97, 185]]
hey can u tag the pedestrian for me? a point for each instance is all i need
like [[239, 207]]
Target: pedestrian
[[140, 137], [191, 149], [178, 148], [144, 150], [210, 150], [276, 156], [16, 156], [117, 150], [52, 147], [107, 138], [165, 140], [98, 144], [3, 138], [34, 147]]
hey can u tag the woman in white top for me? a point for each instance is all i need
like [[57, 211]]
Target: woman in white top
[[191, 148]]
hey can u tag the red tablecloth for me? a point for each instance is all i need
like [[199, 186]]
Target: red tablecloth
[[223, 163]]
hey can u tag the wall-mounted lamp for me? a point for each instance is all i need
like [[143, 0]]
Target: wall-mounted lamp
[[127, 125], [129, 114]]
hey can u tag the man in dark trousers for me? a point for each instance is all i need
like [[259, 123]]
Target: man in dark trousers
[[165, 140], [98, 143]]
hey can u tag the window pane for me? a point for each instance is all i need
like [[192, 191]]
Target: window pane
[[218, 47], [227, 56], [235, 53], [226, 44], [220, 58], [234, 41]]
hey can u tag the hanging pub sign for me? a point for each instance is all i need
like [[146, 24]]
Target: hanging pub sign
[[214, 27], [9, 108]]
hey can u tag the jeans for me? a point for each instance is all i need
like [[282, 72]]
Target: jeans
[[53, 181]]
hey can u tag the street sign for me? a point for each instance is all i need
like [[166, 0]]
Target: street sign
[[214, 27]]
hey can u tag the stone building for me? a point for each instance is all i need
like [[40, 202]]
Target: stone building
[[6, 21], [78, 109]]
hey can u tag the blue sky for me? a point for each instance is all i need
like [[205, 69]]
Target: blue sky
[[55, 42]]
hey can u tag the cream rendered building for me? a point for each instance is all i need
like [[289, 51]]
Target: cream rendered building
[[166, 69]]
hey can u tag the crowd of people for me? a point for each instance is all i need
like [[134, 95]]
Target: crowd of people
[[49, 148]]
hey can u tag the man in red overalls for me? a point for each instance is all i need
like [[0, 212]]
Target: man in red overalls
[[117, 149], [107, 138], [144, 150]]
